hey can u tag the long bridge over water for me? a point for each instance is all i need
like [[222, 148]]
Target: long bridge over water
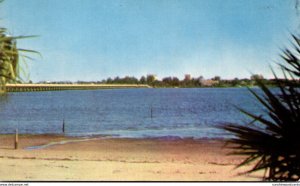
[[59, 87]]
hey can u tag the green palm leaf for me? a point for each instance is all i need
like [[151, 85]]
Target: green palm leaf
[[9, 58], [272, 142]]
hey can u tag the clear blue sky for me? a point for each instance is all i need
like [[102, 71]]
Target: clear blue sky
[[96, 39]]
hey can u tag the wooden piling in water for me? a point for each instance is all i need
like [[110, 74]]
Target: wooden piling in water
[[16, 139], [151, 112], [63, 126]]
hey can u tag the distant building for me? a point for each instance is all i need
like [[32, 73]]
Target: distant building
[[207, 82], [187, 77]]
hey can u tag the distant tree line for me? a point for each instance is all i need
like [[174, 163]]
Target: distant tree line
[[187, 82]]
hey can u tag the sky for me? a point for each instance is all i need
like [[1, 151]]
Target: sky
[[91, 40]]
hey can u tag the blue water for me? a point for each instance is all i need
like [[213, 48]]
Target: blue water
[[127, 112]]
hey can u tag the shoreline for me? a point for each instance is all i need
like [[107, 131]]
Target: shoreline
[[107, 135], [42, 141], [118, 159], [19, 88]]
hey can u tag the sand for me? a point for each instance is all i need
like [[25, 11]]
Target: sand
[[119, 159]]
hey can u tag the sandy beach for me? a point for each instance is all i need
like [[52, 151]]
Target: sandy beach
[[118, 159]]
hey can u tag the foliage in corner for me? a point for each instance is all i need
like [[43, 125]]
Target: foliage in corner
[[9, 58], [272, 141]]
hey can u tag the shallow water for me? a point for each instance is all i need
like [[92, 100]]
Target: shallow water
[[127, 112], [61, 143]]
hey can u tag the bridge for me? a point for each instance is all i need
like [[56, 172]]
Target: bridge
[[59, 87]]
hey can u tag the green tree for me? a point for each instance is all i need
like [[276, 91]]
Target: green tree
[[143, 80], [150, 79], [167, 81], [271, 141], [216, 78], [9, 58], [256, 76]]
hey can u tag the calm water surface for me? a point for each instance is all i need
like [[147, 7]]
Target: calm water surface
[[127, 112]]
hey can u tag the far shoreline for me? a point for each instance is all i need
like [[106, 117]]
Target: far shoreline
[[35, 87]]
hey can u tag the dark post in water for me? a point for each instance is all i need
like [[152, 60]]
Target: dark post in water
[[151, 112], [63, 126], [16, 139]]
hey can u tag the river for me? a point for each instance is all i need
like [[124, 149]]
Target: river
[[136, 113]]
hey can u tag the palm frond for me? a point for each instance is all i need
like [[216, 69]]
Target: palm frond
[[9, 58], [273, 142]]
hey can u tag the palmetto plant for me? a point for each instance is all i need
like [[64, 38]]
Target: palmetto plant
[[9, 58], [272, 141]]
